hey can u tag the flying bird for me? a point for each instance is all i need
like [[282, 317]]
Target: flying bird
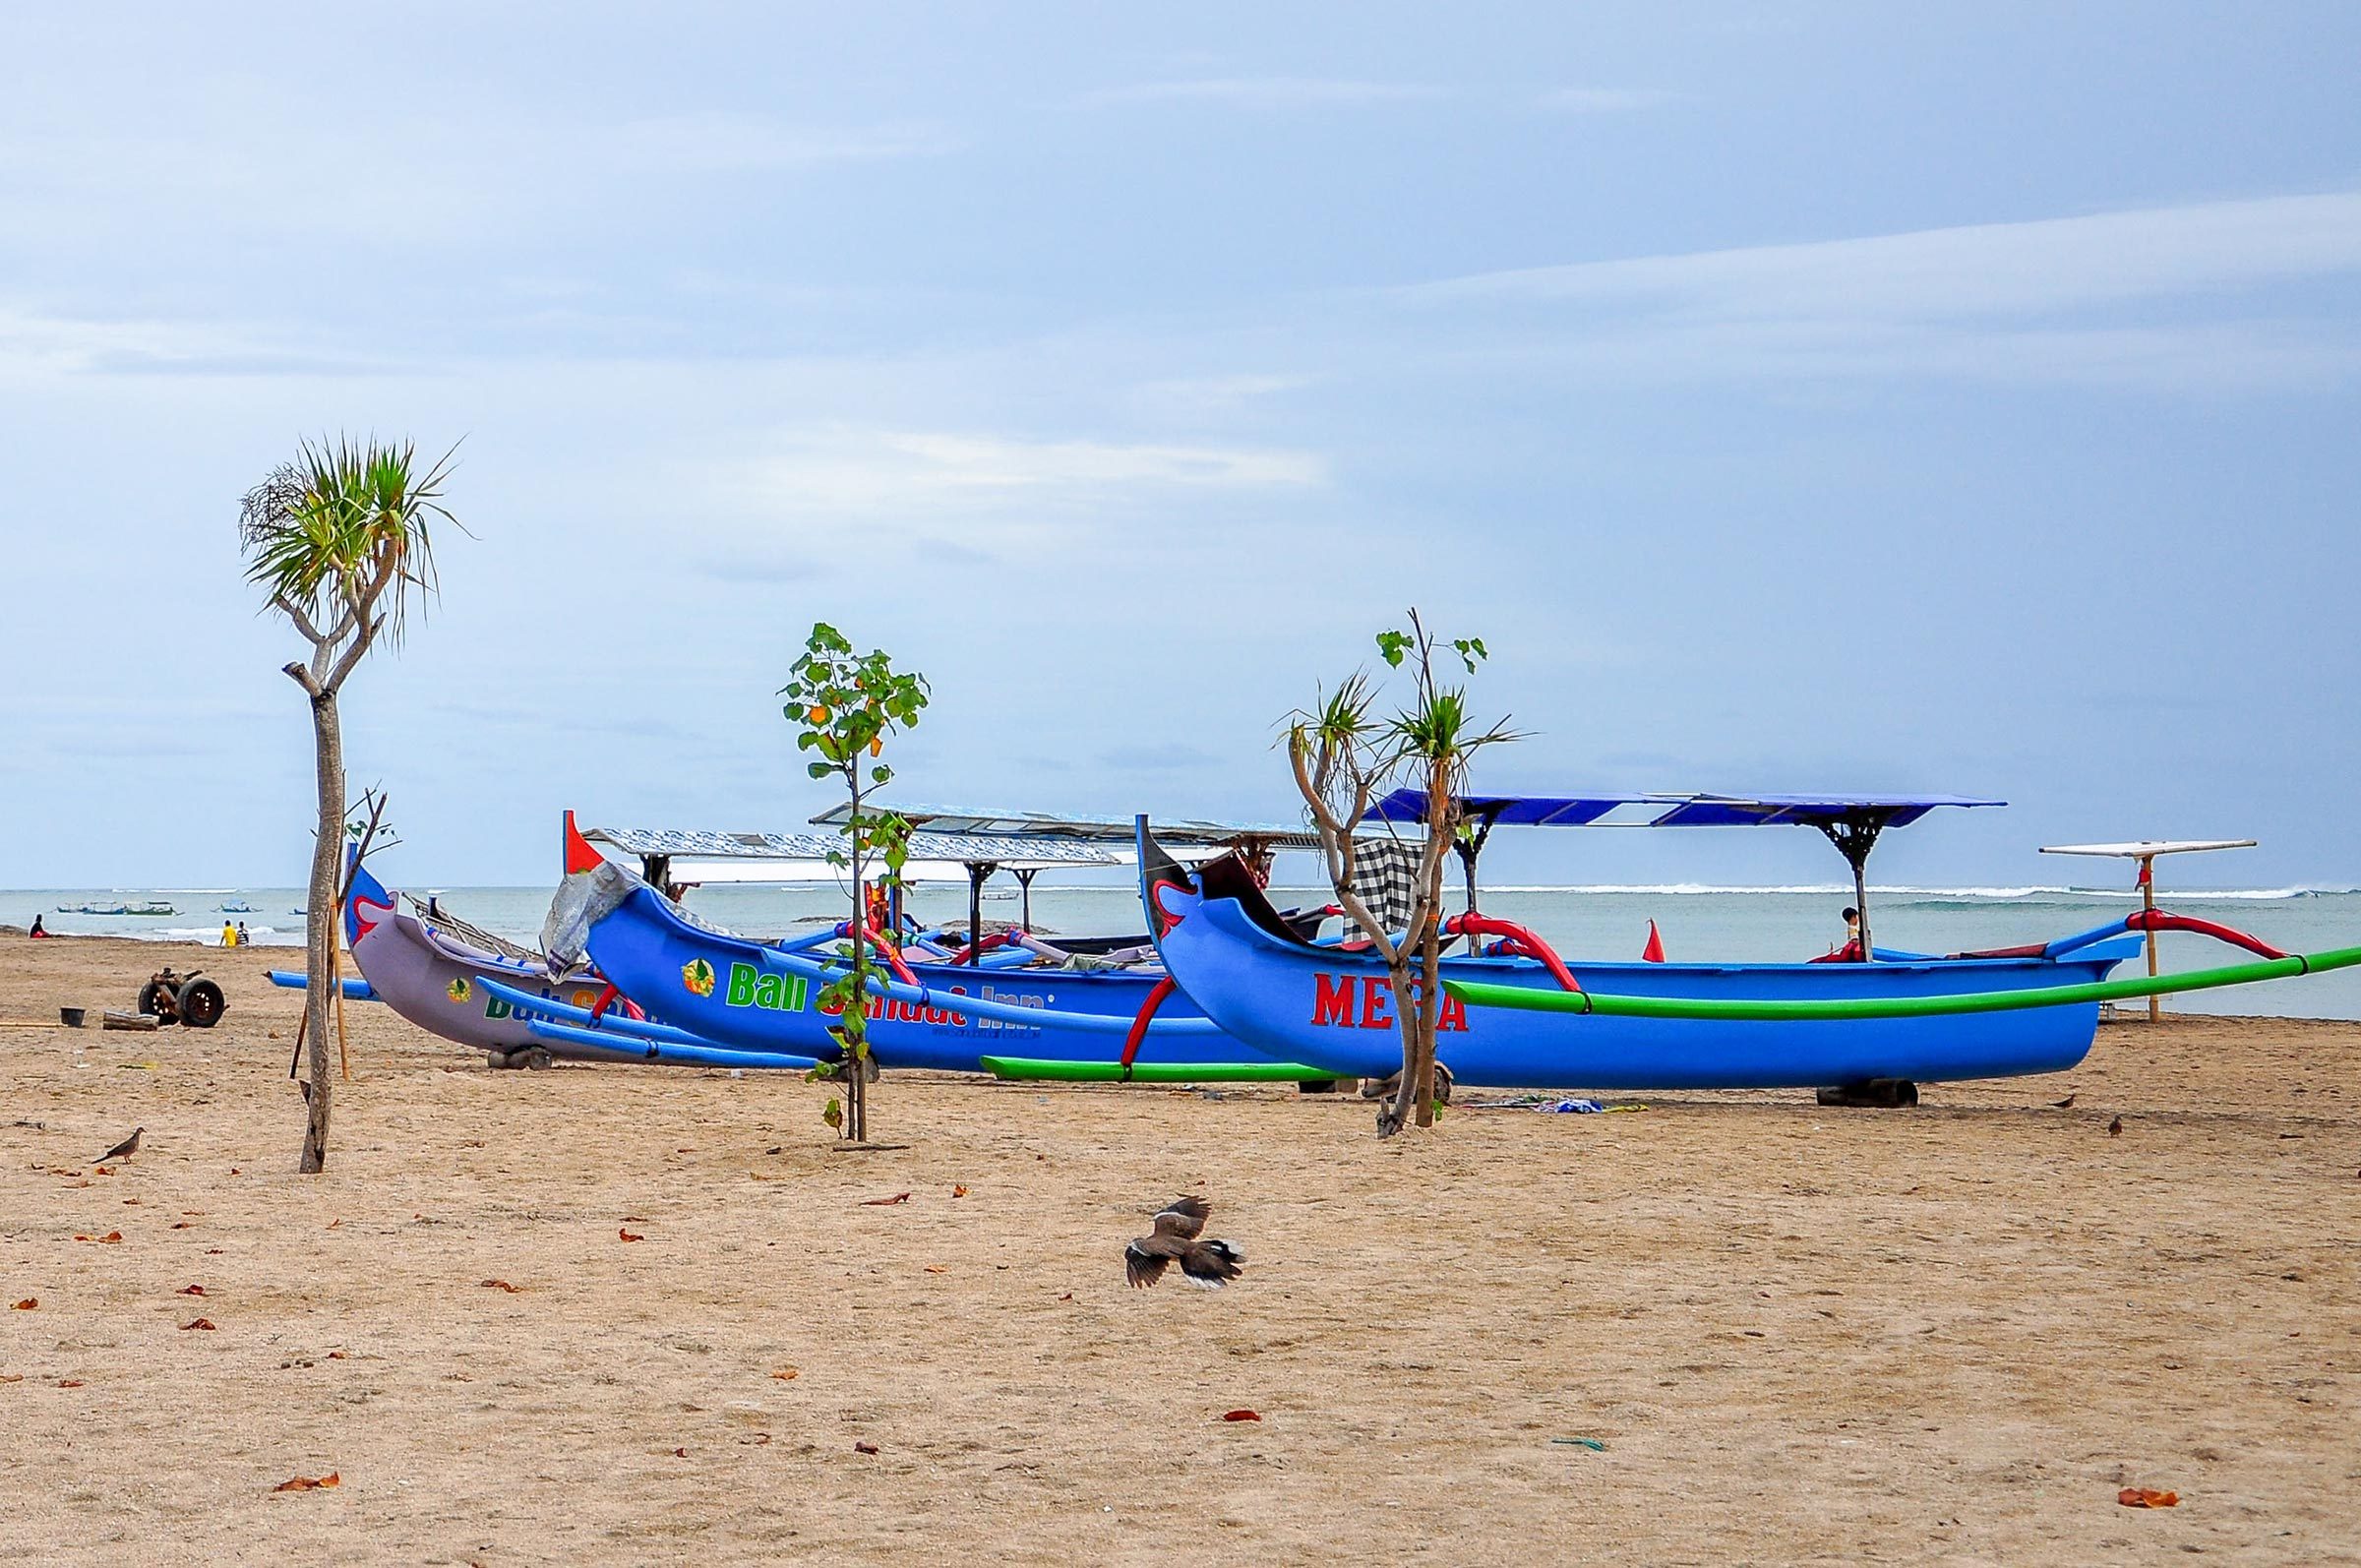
[[1207, 1264], [2115, 1129], [124, 1150]]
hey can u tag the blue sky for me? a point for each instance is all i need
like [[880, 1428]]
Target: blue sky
[[1959, 397]]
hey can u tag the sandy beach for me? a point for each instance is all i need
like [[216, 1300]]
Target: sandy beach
[[1799, 1335]]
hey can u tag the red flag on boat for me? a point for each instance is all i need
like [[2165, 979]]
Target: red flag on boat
[[580, 856], [1654, 952]]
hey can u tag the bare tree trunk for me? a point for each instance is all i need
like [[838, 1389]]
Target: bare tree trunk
[[1405, 1091], [320, 925], [1429, 1013], [856, 1083]]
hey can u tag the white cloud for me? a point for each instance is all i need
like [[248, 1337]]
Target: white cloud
[[34, 343], [1266, 93], [2043, 264], [2134, 299], [843, 468], [1200, 395]]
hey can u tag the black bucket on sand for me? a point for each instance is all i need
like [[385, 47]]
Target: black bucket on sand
[[72, 1017]]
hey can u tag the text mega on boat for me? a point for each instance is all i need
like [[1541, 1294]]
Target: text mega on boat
[[1302, 998]]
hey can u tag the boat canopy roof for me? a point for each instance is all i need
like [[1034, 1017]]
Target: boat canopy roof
[[1052, 827], [1808, 811], [1679, 811], [2141, 849], [713, 857]]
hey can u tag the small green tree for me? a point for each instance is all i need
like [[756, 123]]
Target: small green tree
[[844, 705], [339, 543], [1345, 756]]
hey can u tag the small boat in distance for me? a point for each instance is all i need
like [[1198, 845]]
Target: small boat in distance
[[237, 906], [150, 907]]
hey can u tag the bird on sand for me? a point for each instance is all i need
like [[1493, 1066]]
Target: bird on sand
[[124, 1150], [2061, 1105], [1208, 1264], [2115, 1129]]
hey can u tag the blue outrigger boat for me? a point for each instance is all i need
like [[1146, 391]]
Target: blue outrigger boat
[[1315, 1002], [476, 990], [945, 1008]]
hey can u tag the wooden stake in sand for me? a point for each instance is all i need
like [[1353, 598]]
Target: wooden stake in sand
[[335, 975], [2145, 852]]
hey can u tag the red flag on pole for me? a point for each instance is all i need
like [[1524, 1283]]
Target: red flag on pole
[[580, 856], [1654, 952]]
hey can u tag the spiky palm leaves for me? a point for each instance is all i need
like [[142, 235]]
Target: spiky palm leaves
[[341, 541]]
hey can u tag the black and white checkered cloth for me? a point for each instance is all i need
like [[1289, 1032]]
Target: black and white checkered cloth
[[1385, 877]]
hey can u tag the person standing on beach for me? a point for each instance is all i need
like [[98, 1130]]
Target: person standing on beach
[[243, 938]]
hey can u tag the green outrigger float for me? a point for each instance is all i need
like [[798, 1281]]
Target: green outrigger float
[[1478, 994], [1037, 1069]]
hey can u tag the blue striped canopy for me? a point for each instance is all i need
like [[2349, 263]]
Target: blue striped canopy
[[1679, 811], [1512, 810], [1808, 811]]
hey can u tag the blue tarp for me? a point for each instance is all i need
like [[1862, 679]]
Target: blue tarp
[[1677, 811], [1762, 811]]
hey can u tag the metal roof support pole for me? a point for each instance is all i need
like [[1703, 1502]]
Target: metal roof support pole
[[1469, 847], [2147, 901], [979, 872], [1024, 880], [1854, 836]]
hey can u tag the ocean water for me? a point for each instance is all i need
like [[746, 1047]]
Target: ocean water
[[1739, 924]]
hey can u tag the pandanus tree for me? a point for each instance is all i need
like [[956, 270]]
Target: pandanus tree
[[1347, 755], [844, 705], [340, 543]]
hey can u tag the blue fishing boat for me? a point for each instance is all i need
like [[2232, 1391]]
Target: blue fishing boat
[[480, 991], [948, 1003], [1313, 1001]]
